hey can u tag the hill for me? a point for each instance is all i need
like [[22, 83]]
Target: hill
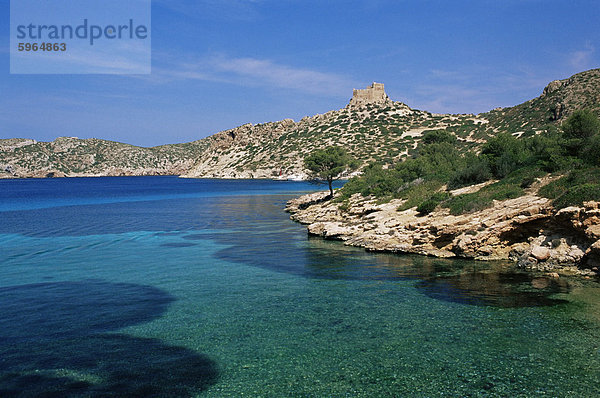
[[384, 131], [372, 127], [74, 157], [529, 193]]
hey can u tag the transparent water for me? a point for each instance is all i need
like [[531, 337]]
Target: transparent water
[[157, 286]]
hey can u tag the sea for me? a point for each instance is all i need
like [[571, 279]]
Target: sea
[[169, 287]]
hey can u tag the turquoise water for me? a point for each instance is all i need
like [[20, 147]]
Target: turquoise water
[[157, 286]]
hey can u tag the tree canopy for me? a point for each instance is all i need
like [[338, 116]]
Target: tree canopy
[[581, 124], [327, 164]]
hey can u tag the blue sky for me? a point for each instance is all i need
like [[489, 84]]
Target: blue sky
[[217, 64]]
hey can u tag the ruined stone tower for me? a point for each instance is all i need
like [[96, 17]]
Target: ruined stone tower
[[373, 94]]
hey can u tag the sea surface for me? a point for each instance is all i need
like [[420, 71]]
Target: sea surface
[[167, 287]]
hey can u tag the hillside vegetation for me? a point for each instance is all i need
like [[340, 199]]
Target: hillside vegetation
[[512, 165], [74, 157], [383, 134]]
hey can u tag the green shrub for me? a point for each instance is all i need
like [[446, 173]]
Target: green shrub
[[467, 203], [591, 151], [505, 153], [427, 207], [431, 161], [483, 198], [525, 176], [417, 192], [574, 188], [578, 195], [430, 204], [437, 136], [554, 189], [581, 124], [527, 182], [475, 171], [547, 149], [579, 130], [376, 181]]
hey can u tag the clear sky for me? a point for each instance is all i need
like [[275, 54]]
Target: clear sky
[[217, 64]]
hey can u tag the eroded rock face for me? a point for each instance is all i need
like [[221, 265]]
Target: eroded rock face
[[548, 253], [527, 230], [592, 256], [553, 86]]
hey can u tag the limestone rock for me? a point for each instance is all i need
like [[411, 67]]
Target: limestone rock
[[592, 255], [552, 87], [540, 253], [526, 230], [593, 231]]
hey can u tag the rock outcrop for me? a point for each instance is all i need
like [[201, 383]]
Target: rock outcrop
[[526, 230], [572, 236]]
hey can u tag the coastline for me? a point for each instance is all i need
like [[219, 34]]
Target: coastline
[[526, 230]]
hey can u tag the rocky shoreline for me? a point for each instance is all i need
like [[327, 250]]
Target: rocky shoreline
[[526, 230]]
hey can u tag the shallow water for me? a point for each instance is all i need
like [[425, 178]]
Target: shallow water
[[157, 286]]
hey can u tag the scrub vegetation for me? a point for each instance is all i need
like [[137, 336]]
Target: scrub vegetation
[[512, 165]]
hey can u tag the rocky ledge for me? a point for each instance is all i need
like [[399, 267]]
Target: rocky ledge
[[527, 230]]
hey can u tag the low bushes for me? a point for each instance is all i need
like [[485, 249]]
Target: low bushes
[[578, 195], [575, 188], [517, 162], [483, 198], [432, 202]]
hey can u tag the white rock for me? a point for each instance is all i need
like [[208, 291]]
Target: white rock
[[540, 253]]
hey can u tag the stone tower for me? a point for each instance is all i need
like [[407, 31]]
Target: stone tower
[[374, 94]]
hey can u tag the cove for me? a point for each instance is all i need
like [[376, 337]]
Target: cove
[[157, 286]]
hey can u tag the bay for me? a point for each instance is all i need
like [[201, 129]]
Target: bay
[[159, 286]]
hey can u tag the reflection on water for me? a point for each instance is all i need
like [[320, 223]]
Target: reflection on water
[[257, 232], [69, 309], [460, 281], [499, 288]]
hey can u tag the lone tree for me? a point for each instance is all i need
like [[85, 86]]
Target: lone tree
[[327, 164]]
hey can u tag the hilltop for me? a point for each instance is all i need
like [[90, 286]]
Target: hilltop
[[530, 194], [372, 127]]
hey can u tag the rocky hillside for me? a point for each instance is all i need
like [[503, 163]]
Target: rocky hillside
[[371, 129], [559, 99], [373, 132], [534, 199], [73, 157], [384, 131]]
